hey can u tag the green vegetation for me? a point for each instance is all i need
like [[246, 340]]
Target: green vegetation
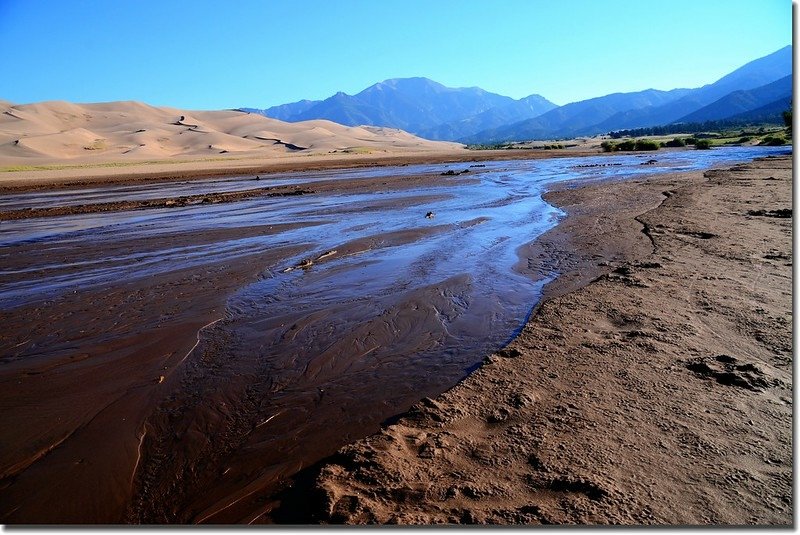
[[59, 167], [692, 128], [630, 145], [773, 141], [522, 145], [703, 144], [646, 144], [356, 150], [760, 135], [496, 146], [676, 142], [752, 135], [787, 119]]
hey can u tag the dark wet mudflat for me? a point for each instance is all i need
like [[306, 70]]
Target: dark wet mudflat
[[175, 364]]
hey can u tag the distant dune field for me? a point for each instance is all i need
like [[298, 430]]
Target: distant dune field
[[58, 132]]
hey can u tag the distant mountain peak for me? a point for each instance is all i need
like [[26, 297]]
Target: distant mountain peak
[[414, 83], [427, 108], [409, 80]]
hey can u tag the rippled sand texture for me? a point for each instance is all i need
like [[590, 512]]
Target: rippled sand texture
[[172, 353]]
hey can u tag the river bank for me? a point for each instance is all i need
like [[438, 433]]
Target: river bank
[[660, 393]]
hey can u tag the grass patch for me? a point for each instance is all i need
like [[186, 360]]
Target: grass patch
[[358, 150], [59, 167]]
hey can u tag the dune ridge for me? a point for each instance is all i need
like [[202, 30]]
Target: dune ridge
[[58, 132]]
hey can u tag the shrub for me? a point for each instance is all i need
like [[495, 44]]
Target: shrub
[[773, 141], [608, 146], [702, 144], [628, 144], [645, 144], [690, 140], [744, 139], [677, 142]]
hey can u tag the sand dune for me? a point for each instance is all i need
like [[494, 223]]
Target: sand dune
[[58, 132]]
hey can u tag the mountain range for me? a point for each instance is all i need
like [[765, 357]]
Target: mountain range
[[759, 90], [417, 105]]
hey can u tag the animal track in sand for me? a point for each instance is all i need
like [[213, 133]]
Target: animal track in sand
[[783, 213], [725, 370]]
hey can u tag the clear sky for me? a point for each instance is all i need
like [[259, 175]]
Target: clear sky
[[201, 54]]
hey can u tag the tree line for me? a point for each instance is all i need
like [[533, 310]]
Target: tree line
[[685, 128]]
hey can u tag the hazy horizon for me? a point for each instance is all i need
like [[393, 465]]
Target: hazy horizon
[[197, 56]]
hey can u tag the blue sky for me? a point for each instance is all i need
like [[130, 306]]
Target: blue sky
[[211, 55]]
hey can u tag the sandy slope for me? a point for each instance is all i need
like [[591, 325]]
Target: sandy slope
[[661, 393], [60, 132]]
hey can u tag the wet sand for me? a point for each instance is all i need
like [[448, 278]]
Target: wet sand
[[150, 374], [660, 393], [144, 400], [89, 175]]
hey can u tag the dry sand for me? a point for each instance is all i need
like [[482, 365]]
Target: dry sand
[[59, 132], [659, 393], [62, 143], [57, 141]]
